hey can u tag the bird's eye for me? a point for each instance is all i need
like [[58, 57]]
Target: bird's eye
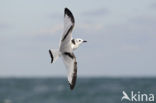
[[79, 40]]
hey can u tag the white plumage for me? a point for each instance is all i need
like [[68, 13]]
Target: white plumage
[[66, 48]]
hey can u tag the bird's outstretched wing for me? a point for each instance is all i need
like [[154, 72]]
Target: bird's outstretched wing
[[68, 27], [71, 65], [65, 47]]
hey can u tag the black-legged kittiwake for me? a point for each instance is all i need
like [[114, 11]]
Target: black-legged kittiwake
[[66, 48]]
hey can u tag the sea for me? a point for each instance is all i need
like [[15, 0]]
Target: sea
[[87, 90]]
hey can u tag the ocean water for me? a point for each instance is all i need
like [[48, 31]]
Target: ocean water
[[87, 90]]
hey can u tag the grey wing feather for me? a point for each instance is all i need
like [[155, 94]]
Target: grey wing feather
[[68, 27], [71, 65]]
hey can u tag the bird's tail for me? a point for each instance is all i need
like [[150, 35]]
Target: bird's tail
[[54, 54]]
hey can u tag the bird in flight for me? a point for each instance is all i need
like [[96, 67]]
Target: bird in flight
[[66, 48]]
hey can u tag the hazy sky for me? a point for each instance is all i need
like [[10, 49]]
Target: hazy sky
[[121, 37]]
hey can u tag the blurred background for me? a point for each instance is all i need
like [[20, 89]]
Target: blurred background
[[120, 53]]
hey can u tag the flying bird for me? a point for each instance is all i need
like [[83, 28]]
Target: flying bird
[[66, 48]]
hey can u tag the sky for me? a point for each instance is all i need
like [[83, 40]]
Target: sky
[[121, 37]]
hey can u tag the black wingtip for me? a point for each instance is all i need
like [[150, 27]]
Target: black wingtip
[[69, 13], [51, 55], [71, 86]]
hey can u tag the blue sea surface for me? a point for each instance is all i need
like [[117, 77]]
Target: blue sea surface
[[87, 90]]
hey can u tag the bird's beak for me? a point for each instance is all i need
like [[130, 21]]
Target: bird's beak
[[84, 41]]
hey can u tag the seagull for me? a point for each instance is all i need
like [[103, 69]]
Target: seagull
[[67, 45]]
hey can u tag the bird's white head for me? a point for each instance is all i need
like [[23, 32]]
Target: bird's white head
[[76, 43], [80, 41]]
